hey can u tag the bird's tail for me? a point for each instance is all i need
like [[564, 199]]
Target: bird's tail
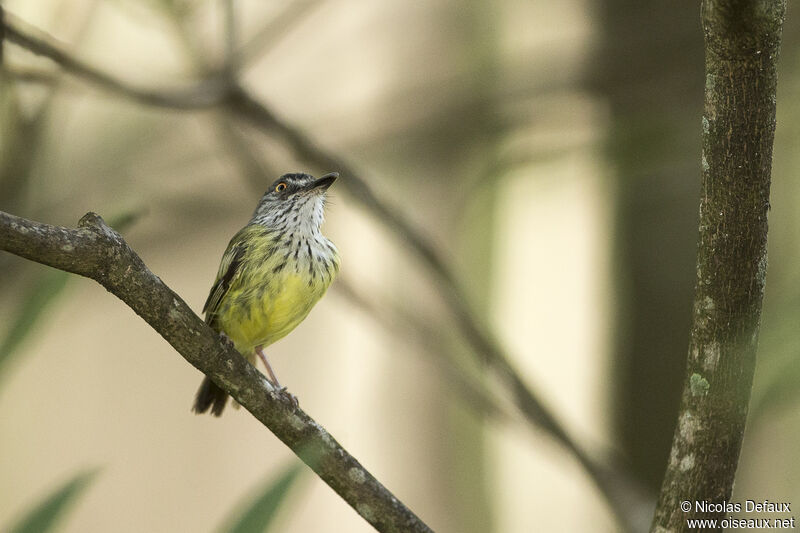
[[209, 395]]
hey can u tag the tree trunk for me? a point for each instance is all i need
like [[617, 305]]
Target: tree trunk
[[742, 39]]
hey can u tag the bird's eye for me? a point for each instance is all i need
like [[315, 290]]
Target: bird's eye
[[280, 187]]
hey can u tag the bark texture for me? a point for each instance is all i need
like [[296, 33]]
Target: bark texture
[[96, 251], [742, 41]]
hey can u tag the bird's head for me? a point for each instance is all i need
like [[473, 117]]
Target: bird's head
[[295, 199]]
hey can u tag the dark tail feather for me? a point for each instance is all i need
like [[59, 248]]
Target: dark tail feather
[[209, 395]]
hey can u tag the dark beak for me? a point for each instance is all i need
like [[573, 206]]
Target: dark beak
[[325, 181]]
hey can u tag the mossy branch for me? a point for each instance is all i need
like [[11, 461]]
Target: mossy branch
[[742, 40], [96, 251]]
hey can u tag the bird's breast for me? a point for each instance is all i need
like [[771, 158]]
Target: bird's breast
[[279, 292]]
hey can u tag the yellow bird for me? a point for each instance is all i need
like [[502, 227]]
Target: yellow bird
[[272, 273]]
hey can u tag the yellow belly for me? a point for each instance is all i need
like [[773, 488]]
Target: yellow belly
[[262, 316]]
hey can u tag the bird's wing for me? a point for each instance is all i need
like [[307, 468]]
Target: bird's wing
[[229, 268]]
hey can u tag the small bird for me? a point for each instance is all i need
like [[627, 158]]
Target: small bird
[[272, 273]]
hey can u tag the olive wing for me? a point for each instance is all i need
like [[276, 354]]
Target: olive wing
[[229, 269]]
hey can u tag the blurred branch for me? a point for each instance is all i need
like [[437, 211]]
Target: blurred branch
[[96, 251], [632, 502], [616, 485], [231, 59], [475, 393], [203, 94], [31, 75], [742, 44], [2, 36]]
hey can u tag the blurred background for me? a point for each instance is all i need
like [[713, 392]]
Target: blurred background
[[548, 150]]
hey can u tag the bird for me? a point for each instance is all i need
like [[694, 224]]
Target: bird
[[274, 270]]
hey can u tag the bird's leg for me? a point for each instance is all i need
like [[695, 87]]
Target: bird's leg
[[263, 357], [274, 379]]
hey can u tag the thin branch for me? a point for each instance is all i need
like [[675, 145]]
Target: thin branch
[[615, 484], [742, 42], [96, 251], [25, 74], [200, 95], [399, 322]]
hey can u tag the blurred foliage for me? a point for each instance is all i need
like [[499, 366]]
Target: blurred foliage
[[258, 515], [39, 297], [43, 293], [46, 515]]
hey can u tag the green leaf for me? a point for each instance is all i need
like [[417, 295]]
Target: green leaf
[[46, 514], [41, 295], [258, 515]]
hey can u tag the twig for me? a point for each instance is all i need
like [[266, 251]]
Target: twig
[[96, 251], [742, 40], [616, 485]]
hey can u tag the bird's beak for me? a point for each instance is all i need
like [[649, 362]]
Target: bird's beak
[[325, 181]]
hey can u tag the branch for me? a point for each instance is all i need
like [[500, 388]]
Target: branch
[[616, 485], [742, 40], [96, 251]]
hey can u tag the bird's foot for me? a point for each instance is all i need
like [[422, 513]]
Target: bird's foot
[[291, 397]]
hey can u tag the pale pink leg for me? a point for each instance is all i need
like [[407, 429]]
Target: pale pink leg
[[274, 379], [263, 357]]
